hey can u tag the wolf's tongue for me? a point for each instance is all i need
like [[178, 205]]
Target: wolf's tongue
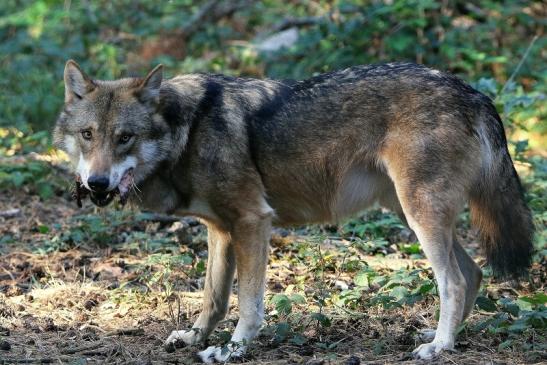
[[125, 185]]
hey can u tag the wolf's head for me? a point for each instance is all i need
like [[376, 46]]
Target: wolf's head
[[112, 131]]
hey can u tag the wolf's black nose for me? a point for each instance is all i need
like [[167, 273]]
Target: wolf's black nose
[[98, 183]]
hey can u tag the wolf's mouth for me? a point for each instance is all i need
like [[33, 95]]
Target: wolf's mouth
[[102, 199]]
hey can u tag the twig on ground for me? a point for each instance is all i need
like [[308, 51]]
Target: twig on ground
[[10, 213], [446, 358], [76, 349], [93, 327], [38, 360], [126, 332], [161, 218], [9, 274]]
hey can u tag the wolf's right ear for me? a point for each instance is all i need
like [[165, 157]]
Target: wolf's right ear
[[77, 83], [148, 91]]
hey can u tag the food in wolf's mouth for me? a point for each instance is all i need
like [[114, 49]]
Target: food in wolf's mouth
[[80, 192]]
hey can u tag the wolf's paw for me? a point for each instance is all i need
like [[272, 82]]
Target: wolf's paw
[[190, 337], [428, 351], [231, 353], [426, 335]]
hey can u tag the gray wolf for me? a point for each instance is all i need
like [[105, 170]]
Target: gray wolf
[[245, 154]]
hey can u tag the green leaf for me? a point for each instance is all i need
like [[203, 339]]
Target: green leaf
[[17, 179], [45, 190], [186, 259], [399, 292], [298, 339], [505, 344], [512, 309], [525, 304], [426, 288], [487, 86], [298, 298], [282, 303], [521, 146], [282, 331], [486, 304], [536, 299], [518, 326], [362, 279], [321, 318]]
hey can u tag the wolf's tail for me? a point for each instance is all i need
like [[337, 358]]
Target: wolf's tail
[[497, 203]]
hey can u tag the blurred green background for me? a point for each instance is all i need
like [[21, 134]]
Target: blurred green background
[[482, 41]]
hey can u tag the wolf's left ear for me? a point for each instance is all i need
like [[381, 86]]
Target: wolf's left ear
[[77, 83], [149, 89]]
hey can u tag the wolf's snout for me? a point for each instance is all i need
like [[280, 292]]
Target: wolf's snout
[[98, 183]]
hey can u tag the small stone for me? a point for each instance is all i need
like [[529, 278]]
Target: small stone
[[315, 362], [90, 303], [169, 347], [305, 351], [353, 360], [407, 235], [339, 284], [184, 237], [90, 336], [5, 345], [49, 325], [175, 227], [81, 317], [13, 291]]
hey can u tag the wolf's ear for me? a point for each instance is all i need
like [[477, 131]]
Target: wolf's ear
[[77, 83], [149, 89]]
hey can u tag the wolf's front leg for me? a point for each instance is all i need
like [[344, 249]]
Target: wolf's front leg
[[218, 284], [251, 245]]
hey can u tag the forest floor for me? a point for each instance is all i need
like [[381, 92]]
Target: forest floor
[[85, 286]]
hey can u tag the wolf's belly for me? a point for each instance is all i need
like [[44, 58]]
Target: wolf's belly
[[328, 197]]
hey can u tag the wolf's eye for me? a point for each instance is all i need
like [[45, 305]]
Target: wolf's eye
[[87, 135], [125, 138]]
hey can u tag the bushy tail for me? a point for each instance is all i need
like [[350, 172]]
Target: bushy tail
[[497, 204]]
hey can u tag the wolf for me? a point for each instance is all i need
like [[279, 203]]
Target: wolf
[[244, 154]]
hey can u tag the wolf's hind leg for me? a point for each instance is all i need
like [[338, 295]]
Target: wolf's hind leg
[[473, 275], [431, 212], [218, 284], [437, 245]]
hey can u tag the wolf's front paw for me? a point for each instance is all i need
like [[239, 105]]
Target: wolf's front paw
[[428, 351], [190, 337], [231, 352]]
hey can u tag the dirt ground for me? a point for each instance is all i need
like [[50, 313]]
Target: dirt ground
[[87, 301]]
